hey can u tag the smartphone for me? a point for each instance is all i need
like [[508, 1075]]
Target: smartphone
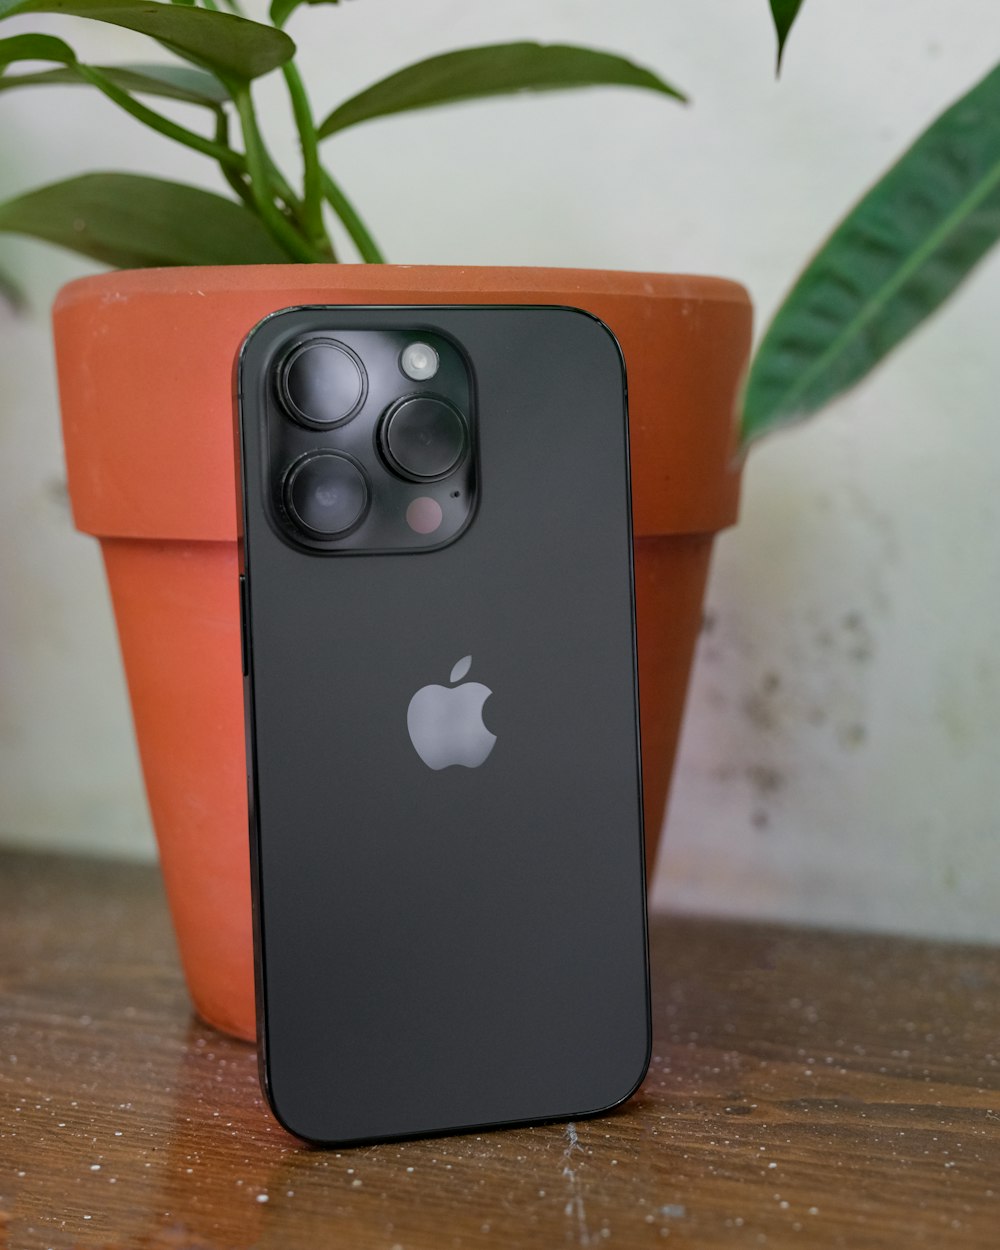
[[442, 720]]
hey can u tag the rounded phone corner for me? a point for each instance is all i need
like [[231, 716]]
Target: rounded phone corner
[[598, 323], [629, 1085], [304, 1134]]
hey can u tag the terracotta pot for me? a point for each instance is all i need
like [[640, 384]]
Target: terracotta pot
[[146, 364]]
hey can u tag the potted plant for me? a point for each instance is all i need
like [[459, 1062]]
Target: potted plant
[[132, 417]]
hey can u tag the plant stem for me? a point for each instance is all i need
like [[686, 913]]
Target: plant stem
[[156, 121], [235, 166], [261, 171], [236, 180], [312, 174], [368, 249], [232, 162]]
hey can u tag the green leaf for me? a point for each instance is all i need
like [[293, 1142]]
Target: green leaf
[[130, 221], [232, 46], [892, 261], [176, 82], [503, 68], [282, 10], [172, 82], [784, 13], [34, 48]]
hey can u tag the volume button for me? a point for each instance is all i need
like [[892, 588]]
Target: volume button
[[244, 626]]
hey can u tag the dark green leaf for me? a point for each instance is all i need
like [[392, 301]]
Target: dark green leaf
[[172, 82], [135, 222], [282, 10], [176, 82], [232, 46], [475, 73], [34, 48], [784, 13], [904, 248]]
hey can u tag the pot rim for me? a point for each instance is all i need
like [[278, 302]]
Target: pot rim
[[146, 361], [199, 280]]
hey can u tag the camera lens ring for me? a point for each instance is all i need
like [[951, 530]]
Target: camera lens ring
[[339, 373], [423, 438], [326, 494]]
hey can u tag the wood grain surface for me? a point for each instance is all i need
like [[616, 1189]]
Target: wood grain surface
[[808, 1089]]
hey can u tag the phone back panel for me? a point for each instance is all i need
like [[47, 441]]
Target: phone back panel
[[452, 948]]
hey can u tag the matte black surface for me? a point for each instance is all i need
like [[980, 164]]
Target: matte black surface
[[443, 949]]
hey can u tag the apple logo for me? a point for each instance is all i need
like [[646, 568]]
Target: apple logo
[[446, 723]]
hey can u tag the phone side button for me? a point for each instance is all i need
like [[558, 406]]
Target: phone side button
[[244, 643]]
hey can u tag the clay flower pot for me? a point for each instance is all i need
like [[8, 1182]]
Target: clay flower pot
[[146, 364]]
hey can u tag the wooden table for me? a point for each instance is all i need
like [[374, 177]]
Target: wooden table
[[808, 1089]]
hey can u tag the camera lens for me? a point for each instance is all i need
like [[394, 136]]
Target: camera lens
[[326, 494], [322, 383], [424, 438]]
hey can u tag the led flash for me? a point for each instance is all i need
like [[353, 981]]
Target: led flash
[[419, 361]]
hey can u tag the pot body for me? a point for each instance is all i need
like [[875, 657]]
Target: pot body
[[146, 365]]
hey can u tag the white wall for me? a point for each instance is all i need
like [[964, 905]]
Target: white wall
[[840, 757]]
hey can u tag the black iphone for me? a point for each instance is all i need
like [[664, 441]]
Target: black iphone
[[442, 721]]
